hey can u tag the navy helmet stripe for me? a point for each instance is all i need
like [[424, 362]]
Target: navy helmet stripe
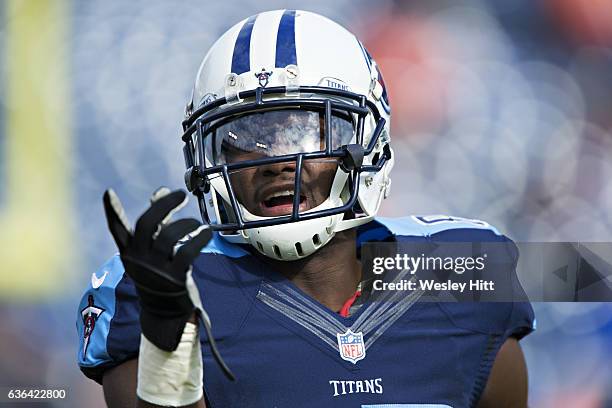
[[242, 49], [285, 40], [366, 55]]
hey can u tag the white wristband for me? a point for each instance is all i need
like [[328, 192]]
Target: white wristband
[[171, 378]]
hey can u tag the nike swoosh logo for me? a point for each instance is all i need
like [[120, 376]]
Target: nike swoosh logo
[[97, 282]]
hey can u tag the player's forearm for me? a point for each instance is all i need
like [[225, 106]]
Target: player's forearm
[[120, 385], [171, 378], [143, 404], [507, 384], [120, 388]]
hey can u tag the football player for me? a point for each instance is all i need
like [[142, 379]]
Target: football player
[[288, 151]]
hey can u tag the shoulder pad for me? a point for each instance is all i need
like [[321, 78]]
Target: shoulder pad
[[218, 245], [427, 225], [507, 319]]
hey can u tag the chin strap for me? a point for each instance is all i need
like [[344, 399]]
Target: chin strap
[[354, 157]]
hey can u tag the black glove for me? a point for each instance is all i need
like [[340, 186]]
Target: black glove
[[158, 272], [162, 276]]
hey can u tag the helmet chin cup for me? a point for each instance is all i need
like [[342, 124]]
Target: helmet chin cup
[[339, 80], [292, 241]]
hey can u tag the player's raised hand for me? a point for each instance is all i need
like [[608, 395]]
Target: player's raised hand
[[158, 270]]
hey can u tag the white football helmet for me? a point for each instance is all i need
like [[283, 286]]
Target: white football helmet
[[288, 86]]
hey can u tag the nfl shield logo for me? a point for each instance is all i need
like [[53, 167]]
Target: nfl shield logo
[[351, 346]]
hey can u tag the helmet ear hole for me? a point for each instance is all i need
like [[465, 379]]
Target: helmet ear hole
[[298, 249], [375, 158], [277, 252], [260, 246], [316, 240], [202, 207]]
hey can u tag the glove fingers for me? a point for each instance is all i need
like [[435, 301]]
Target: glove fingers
[[187, 253], [149, 222], [116, 219], [159, 193], [172, 233], [162, 192]]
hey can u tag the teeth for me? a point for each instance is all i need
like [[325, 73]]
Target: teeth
[[281, 194]]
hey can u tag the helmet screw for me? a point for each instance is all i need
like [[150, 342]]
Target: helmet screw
[[292, 72]]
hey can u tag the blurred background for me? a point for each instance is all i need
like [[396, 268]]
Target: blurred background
[[502, 111]]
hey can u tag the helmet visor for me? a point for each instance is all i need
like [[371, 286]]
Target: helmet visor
[[274, 133]]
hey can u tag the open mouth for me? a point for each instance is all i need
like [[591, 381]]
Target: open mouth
[[281, 203]]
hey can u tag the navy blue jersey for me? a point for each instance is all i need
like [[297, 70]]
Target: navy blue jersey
[[287, 350]]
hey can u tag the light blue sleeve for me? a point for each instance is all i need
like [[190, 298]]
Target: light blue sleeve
[[107, 322]]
